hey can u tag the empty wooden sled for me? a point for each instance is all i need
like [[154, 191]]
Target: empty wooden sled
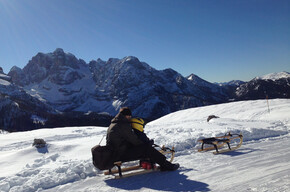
[[218, 142]]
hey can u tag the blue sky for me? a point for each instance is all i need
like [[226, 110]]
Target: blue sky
[[218, 40]]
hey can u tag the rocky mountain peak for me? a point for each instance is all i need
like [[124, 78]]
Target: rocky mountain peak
[[100, 62], [131, 59], [194, 78], [58, 51], [58, 67], [199, 81]]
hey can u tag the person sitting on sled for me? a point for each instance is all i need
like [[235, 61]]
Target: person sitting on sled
[[138, 125], [127, 146]]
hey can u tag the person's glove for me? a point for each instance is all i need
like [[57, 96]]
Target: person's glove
[[151, 142]]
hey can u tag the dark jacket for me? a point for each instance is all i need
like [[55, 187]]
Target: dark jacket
[[143, 137], [120, 136]]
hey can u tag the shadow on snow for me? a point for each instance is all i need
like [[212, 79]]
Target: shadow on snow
[[43, 150], [163, 181], [239, 152]]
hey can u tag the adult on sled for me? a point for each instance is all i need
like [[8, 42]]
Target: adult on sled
[[127, 146]]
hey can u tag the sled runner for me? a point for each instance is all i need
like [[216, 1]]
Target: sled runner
[[144, 166], [218, 142]]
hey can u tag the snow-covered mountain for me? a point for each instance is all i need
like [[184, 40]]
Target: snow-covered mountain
[[73, 88], [231, 83], [274, 85], [275, 76], [18, 110], [58, 79], [65, 164], [211, 88], [149, 92], [69, 84]]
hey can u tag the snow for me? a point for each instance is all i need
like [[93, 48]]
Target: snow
[[261, 164], [4, 82], [4, 77], [38, 120], [66, 96], [275, 76], [117, 104]]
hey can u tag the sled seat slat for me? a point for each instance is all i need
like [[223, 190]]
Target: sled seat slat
[[213, 140]]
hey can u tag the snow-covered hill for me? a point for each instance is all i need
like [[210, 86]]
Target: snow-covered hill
[[261, 164]]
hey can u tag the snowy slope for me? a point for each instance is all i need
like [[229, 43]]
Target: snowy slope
[[261, 164]]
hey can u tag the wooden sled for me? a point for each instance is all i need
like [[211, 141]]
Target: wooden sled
[[218, 142], [138, 169]]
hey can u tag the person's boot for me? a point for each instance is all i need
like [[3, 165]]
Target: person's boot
[[167, 166]]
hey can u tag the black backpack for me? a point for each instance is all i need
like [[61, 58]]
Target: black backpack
[[102, 157]]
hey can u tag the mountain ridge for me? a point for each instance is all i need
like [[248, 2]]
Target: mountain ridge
[[70, 85]]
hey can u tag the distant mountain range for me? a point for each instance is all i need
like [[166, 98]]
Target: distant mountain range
[[57, 89]]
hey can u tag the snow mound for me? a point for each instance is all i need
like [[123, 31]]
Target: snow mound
[[253, 119]]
